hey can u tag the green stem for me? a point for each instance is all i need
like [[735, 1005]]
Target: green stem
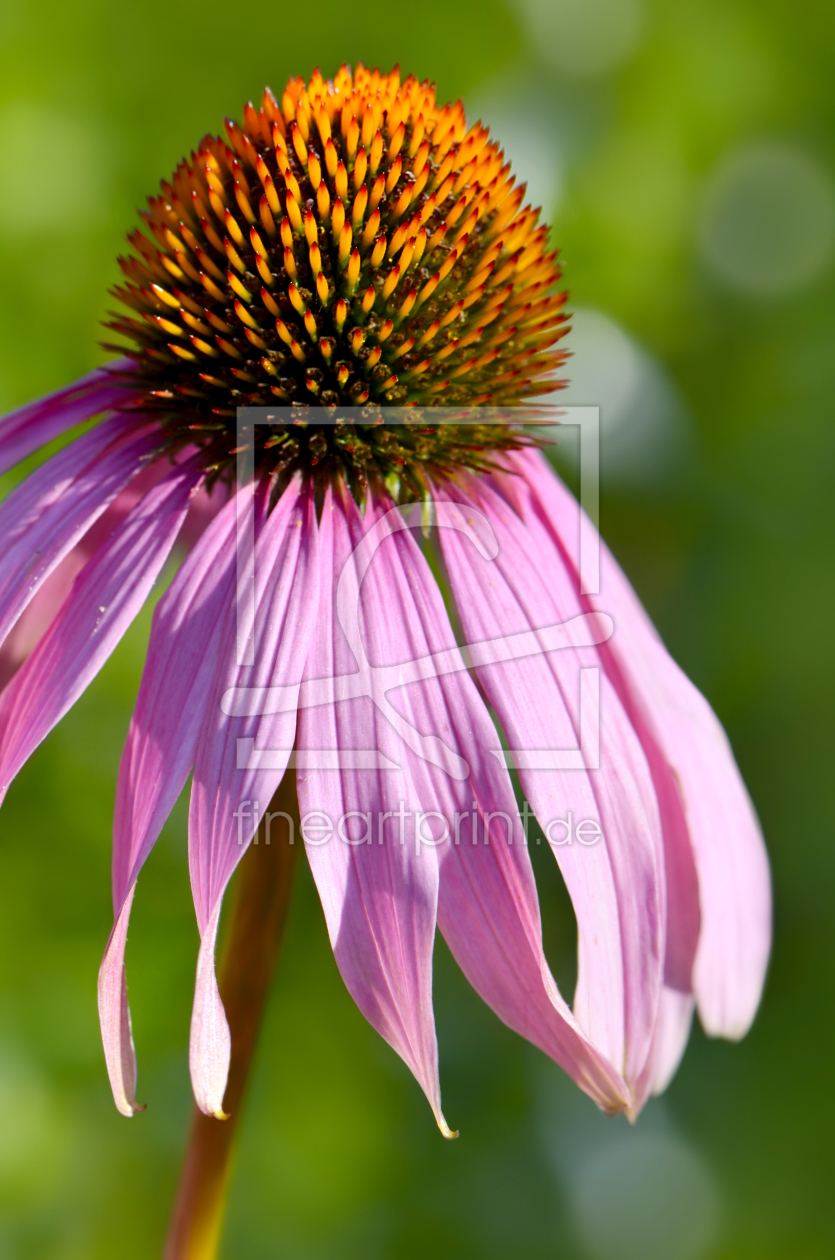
[[264, 884]]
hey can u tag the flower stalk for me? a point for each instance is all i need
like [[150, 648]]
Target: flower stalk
[[251, 949]]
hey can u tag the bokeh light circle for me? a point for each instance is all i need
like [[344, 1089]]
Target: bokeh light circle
[[768, 225]]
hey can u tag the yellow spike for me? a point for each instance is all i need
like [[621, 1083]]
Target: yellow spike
[[341, 181], [452, 314], [337, 219], [352, 137], [264, 270], [286, 231], [294, 214], [406, 254], [283, 332], [360, 167], [377, 190], [322, 288], [256, 243], [353, 270], [331, 157], [429, 288], [256, 341], [390, 283], [290, 263], [235, 284], [292, 185], [194, 322], [216, 322], [299, 142], [204, 347], [358, 209], [342, 374], [341, 314], [268, 366], [379, 251], [296, 298], [183, 354], [326, 348], [408, 303], [370, 230], [311, 228], [297, 351], [345, 243], [323, 202], [228, 348], [449, 264], [369, 298], [270, 302], [166, 325], [266, 216], [357, 338], [172, 268], [374, 357], [404, 201], [310, 325], [404, 349], [376, 152], [211, 288], [429, 334], [243, 201], [394, 175], [315, 255], [233, 255], [314, 170], [396, 141], [386, 330], [165, 296]]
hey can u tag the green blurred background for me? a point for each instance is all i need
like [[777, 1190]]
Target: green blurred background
[[685, 153]]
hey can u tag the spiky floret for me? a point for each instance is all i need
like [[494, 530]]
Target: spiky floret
[[353, 244]]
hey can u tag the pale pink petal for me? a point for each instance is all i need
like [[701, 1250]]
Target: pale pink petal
[[159, 752], [45, 517], [102, 603], [210, 1041], [488, 908], [616, 884], [730, 857], [240, 761], [37, 423], [37, 616], [114, 1015], [379, 897], [675, 1016]]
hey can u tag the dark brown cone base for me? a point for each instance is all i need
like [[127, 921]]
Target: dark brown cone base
[[264, 885]]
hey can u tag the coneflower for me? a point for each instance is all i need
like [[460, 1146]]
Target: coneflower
[[354, 247]]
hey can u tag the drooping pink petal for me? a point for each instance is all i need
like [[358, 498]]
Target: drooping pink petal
[[730, 857], [675, 1016], [488, 908], [159, 753], [36, 617], [240, 761], [102, 603], [44, 517], [379, 897], [616, 883], [37, 423], [114, 1015]]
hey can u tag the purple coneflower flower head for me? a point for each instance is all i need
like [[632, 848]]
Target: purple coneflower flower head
[[416, 621]]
